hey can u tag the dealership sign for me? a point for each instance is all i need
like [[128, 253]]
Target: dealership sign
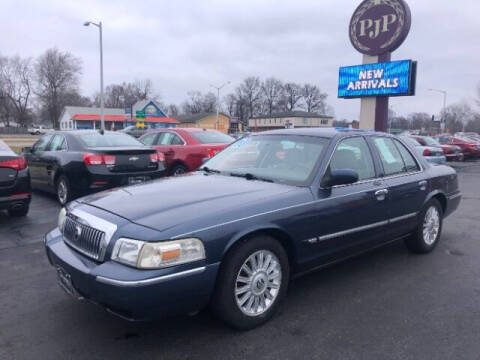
[[396, 78], [379, 26]]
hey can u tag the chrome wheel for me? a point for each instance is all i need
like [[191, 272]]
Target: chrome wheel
[[431, 225], [62, 191], [258, 283]]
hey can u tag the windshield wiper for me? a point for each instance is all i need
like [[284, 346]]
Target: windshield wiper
[[208, 170], [250, 176]]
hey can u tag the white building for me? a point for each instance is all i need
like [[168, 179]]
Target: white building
[[293, 119]]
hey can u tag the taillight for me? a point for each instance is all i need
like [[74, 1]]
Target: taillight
[[157, 157], [211, 152], [427, 152], [447, 150], [16, 164], [98, 159], [109, 159]]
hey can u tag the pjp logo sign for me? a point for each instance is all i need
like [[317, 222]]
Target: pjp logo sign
[[379, 26]]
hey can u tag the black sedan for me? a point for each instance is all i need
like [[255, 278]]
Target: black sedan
[[269, 207], [75, 163], [15, 192]]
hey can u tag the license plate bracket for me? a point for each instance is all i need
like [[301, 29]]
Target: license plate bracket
[[132, 180], [65, 281]]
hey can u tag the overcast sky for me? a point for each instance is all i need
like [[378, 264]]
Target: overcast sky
[[187, 45]]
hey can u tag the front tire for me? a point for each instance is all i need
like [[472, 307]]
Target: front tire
[[252, 282], [63, 189], [429, 229]]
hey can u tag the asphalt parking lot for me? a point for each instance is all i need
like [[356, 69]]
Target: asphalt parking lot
[[387, 304]]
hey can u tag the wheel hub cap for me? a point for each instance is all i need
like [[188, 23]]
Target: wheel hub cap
[[431, 225], [258, 283]]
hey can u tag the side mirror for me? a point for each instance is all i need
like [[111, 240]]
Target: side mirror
[[342, 177], [27, 149]]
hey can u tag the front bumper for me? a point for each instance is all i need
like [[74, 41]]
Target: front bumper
[[131, 293]]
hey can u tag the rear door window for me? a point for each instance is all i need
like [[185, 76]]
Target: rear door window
[[390, 156], [408, 159], [58, 143]]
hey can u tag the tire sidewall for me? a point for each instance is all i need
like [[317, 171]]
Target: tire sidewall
[[67, 185], [225, 304], [421, 243], [176, 167]]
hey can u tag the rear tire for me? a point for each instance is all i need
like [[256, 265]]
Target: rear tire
[[179, 170], [20, 212], [245, 301], [429, 229], [63, 190]]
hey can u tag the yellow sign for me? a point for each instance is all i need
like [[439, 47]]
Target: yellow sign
[[140, 124]]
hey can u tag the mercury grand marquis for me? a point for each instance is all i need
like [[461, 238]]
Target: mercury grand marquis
[[231, 235]]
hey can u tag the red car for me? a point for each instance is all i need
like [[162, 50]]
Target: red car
[[470, 147], [452, 152], [185, 149]]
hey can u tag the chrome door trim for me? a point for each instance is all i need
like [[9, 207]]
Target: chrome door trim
[[151, 281], [352, 230], [360, 228], [403, 217]]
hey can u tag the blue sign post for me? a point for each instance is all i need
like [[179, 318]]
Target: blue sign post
[[395, 78]]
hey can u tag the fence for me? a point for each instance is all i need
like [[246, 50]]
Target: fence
[[13, 130]]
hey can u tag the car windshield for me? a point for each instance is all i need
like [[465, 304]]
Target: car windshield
[[212, 137], [278, 158], [95, 139], [430, 141]]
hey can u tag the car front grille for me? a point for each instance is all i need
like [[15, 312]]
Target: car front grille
[[83, 238]]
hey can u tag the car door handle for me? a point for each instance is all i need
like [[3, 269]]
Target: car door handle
[[380, 194], [423, 185]]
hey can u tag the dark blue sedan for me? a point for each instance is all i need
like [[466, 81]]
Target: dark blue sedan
[[231, 235]]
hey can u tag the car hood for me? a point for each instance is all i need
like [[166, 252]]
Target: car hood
[[192, 198]]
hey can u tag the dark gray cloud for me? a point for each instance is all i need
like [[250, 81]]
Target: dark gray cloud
[[187, 45]]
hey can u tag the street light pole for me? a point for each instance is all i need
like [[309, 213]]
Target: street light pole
[[218, 99], [102, 117], [444, 92]]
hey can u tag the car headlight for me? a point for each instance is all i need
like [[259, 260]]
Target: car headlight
[[157, 255], [62, 215]]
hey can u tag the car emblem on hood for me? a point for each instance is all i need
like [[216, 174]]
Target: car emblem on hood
[[133, 158]]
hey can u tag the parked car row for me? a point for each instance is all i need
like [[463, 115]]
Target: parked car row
[[75, 163], [446, 147]]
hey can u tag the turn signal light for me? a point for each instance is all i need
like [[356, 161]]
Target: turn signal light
[[16, 164]]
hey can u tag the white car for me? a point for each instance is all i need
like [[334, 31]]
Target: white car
[[38, 130]]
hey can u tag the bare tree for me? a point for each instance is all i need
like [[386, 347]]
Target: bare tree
[[272, 92], [250, 91], [194, 103], [292, 95], [16, 87], [457, 116], [209, 103], [314, 99], [57, 74], [173, 110], [231, 102]]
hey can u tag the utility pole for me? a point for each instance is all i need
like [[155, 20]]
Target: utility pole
[[218, 100], [443, 123], [102, 117]]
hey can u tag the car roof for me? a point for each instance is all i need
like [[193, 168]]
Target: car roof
[[322, 132]]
